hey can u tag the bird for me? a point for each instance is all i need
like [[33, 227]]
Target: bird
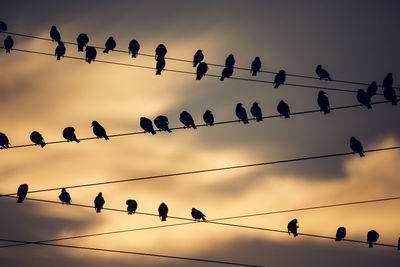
[[241, 113], [255, 110], [255, 66], [98, 130], [99, 202], [398, 244], [292, 227], [110, 45], [283, 109], [372, 88], [161, 122], [198, 215], [198, 57], [280, 78], [356, 146], [372, 237], [322, 73], [91, 54], [69, 134], [8, 44], [163, 211], [161, 51], [208, 118], [160, 66], [340, 234], [132, 206], [60, 50], [388, 81], [323, 102], [390, 95], [363, 98], [202, 68], [187, 120], [147, 125], [4, 142], [3, 26], [226, 73], [82, 40], [230, 61], [64, 197], [37, 138], [54, 34], [22, 192], [133, 48]]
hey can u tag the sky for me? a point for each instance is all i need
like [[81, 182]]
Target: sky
[[353, 40]]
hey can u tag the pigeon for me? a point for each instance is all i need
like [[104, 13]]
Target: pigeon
[[201, 70], [69, 134], [64, 197], [255, 66], [280, 78], [161, 51], [198, 215], [163, 211], [37, 139], [4, 142], [208, 118], [187, 120], [363, 98], [283, 109], [372, 88], [22, 192], [54, 34], [133, 48], [3, 26], [91, 54], [340, 234], [356, 146], [372, 237], [82, 40], [99, 202], [110, 45], [226, 73], [390, 95], [160, 66], [230, 61], [256, 111], [241, 113], [147, 125], [323, 102], [132, 206], [322, 73], [8, 44], [60, 50], [161, 122], [292, 227], [198, 57], [98, 130], [388, 81]]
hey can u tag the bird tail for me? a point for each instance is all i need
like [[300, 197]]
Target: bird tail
[[259, 119], [129, 212], [211, 124], [254, 73], [338, 239], [80, 48], [198, 77], [153, 132], [158, 72], [287, 116], [369, 106], [194, 126], [169, 130], [222, 78], [394, 102], [361, 153], [327, 111], [20, 199], [194, 64], [8, 51], [163, 218], [370, 245], [106, 137], [58, 57], [42, 144], [276, 85], [105, 51], [98, 210], [245, 121], [77, 140], [295, 234]]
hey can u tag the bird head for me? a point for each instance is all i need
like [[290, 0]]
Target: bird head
[[100, 194], [319, 67], [320, 93], [63, 190], [255, 104], [94, 123], [257, 58], [239, 104], [53, 28]]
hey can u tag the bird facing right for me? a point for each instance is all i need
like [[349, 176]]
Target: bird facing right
[[292, 227], [198, 215], [241, 113], [323, 102]]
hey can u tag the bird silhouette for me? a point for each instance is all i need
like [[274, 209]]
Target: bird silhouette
[[60, 50], [340, 234], [37, 138], [132, 206], [69, 134], [356, 146], [147, 125], [323, 102], [292, 227], [163, 211], [388, 81], [280, 78], [91, 54], [3, 26], [8, 44], [161, 51], [322, 73], [372, 237], [99, 202], [372, 88], [160, 66], [256, 111], [198, 215], [208, 118], [22, 192], [398, 244], [363, 98], [187, 120], [241, 113], [98, 130], [133, 48], [64, 197], [390, 95], [54, 34], [201, 70], [226, 73], [283, 109], [255, 66], [4, 142], [198, 57], [230, 61], [161, 122], [82, 40], [109, 45]]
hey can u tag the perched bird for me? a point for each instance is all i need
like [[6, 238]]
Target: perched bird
[[283, 109], [364, 98], [69, 134], [147, 125], [356, 146], [372, 88], [340, 234], [64, 197], [187, 120], [388, 81], [226, 73], [22, 192], [132, 206], [280, 78], [256, 111], [161, 122], [255, 66], [230, 61], [54, 34], [98, 130], [323, 102], [198, 57], [202, 68], [110, 45], [322, 73], [198, 215], [91, 54], [133, 48], [372, 237], [4, 142], [398, 244], [3, 26], [390, 95], [8, 44], [82, 40], [241, 113], [160, 66], [208, 118], [161, 51], [37, 139], [292, 227], [60, 50], [163, 211], [99, 202]]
